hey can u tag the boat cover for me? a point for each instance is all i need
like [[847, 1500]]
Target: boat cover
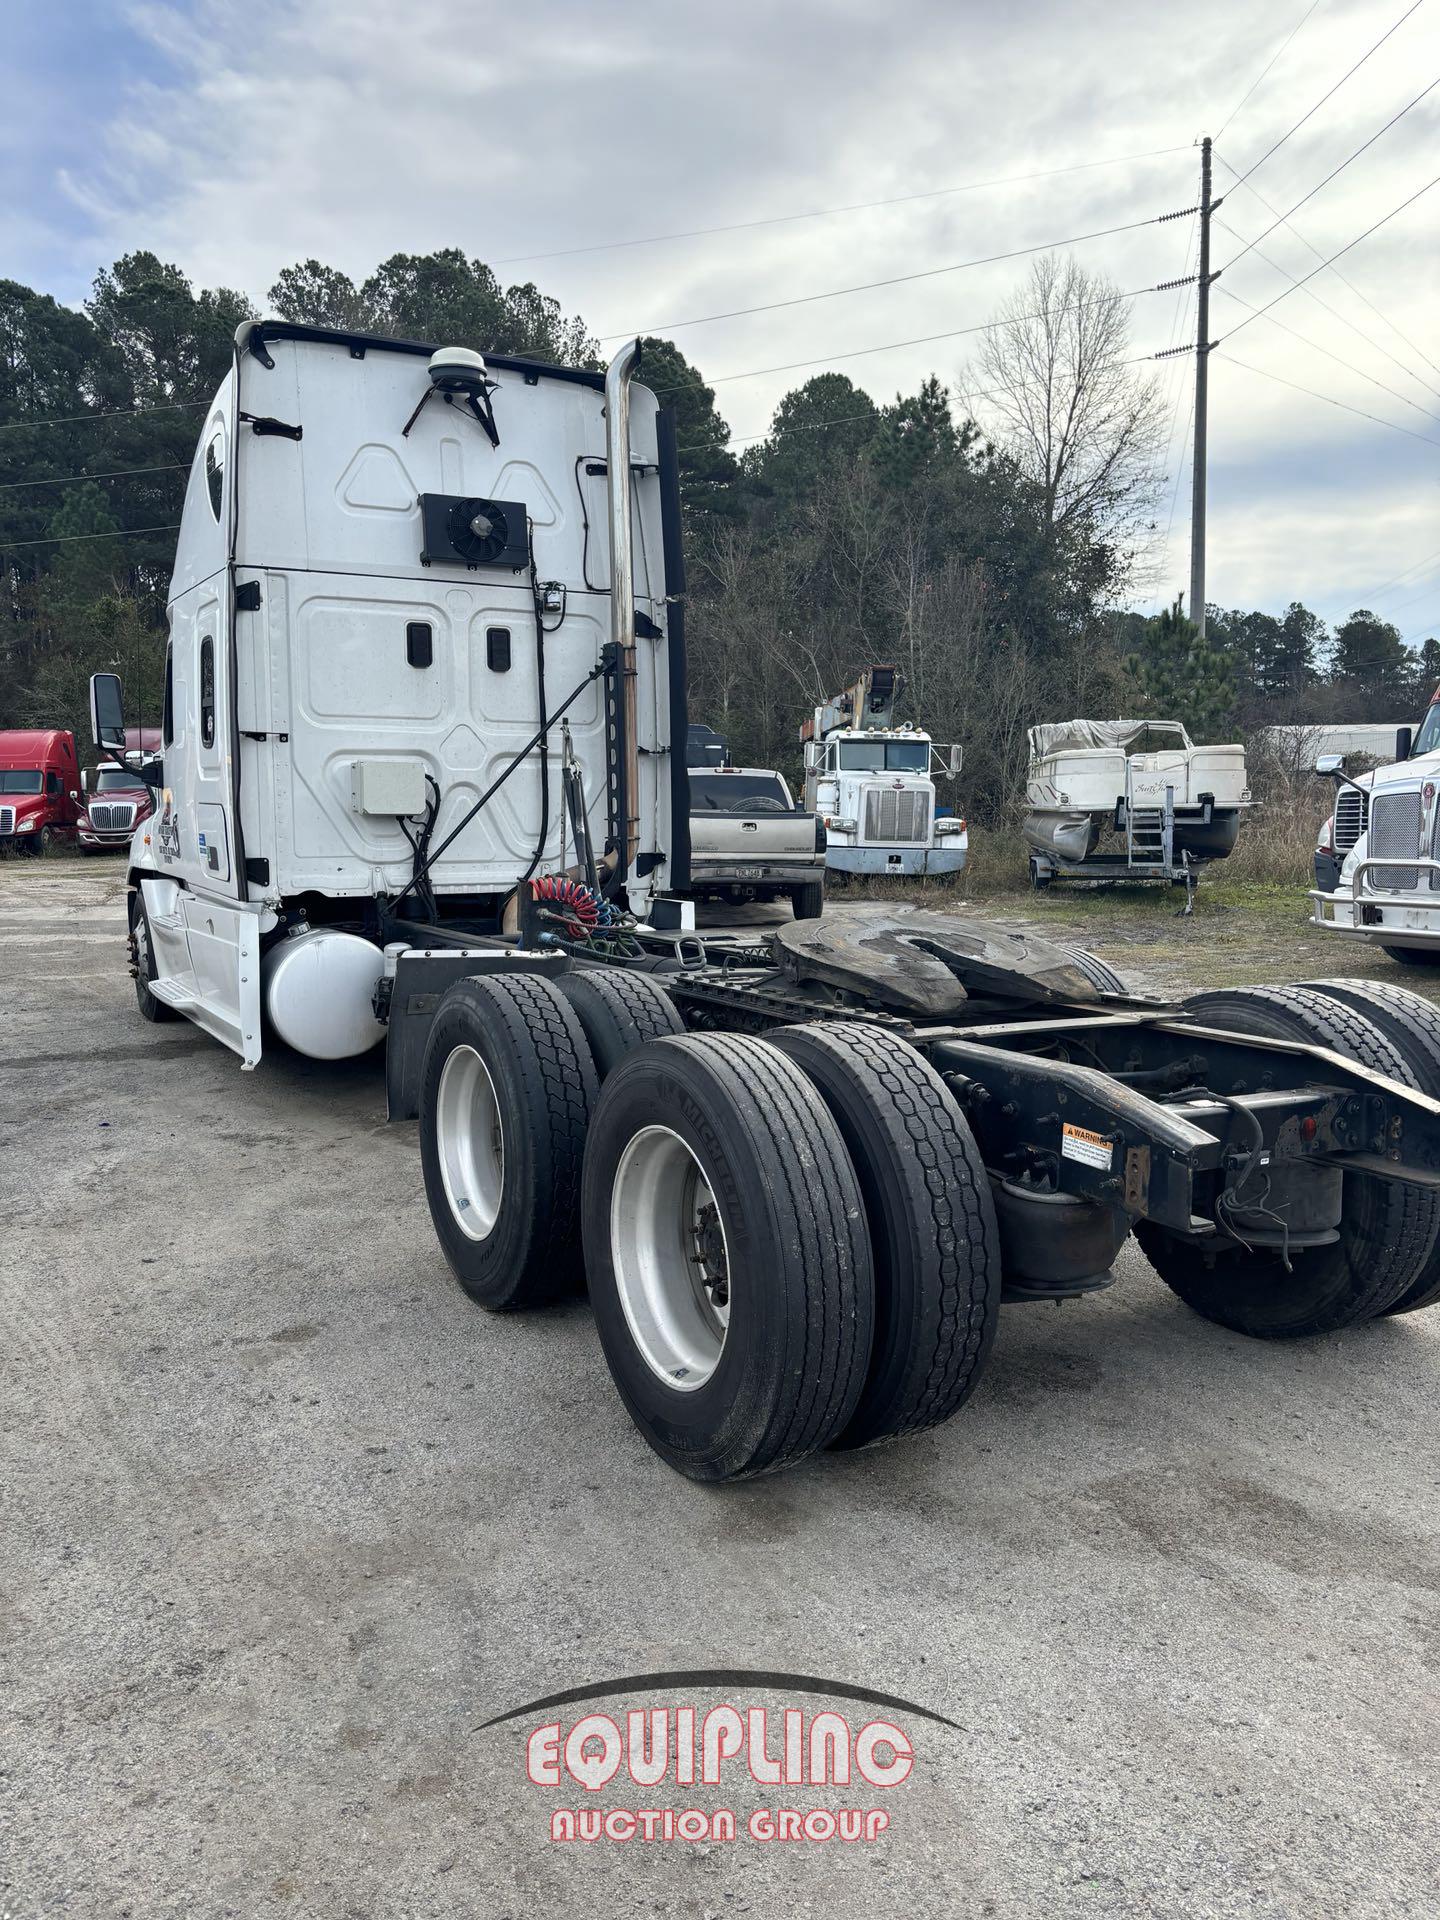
[[1131, 736]]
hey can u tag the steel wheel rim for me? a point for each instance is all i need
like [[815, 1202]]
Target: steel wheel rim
[[670, 1258], [470, 1136]]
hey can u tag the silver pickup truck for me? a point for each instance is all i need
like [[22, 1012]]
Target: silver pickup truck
[[749, 840]]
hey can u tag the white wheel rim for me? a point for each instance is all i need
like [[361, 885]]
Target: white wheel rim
[[671, 1259], [470, 1136]]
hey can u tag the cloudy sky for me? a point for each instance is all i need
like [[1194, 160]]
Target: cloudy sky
[[237, 136]]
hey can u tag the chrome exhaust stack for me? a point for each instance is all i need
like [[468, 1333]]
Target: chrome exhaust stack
[[622, 592]]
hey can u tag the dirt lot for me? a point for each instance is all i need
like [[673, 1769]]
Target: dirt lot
[[285, 1521]]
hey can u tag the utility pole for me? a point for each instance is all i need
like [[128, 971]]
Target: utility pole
[[1203, 344]]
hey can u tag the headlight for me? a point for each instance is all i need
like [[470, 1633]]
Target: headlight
[[24, 826]]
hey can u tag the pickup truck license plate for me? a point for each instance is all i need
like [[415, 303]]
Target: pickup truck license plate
[[749, 873]]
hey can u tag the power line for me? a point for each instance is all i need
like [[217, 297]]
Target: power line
[[65, 539], [803, 426], [1334, 171], [1324, 97], [1180, 467], [1349, 366], [113, 413], [1273, 58], [1416, 566], [1425, 593], [1265, 374], [1182, 306], [73, 479], [920, 340], [1334, 312], [1382, 221], [826, 213], [1310, 246], [870, 286]]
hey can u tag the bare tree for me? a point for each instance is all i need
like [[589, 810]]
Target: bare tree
[[1084, 427]]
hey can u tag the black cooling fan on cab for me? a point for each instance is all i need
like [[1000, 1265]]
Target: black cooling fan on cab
[[461, 531]]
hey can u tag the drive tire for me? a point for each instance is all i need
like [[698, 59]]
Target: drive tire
[[935, 1245], [1387, 1227], [727, 1130], [618, 1012], [807, 901], [1413, 1025], [151, 1009], [1414, 956], [515, 1055]]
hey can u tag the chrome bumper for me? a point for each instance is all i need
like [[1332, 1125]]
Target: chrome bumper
[[1358, 912]]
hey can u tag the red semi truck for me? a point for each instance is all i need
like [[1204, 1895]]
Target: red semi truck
[[39, 775], [113, 802]]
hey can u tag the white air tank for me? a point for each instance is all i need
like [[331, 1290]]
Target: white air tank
[[319, 985]]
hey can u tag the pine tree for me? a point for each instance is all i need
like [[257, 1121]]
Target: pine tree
[[1184, 677]]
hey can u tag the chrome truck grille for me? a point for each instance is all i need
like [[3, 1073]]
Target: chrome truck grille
[[1352, 805], [117, 817], [900, 818], [7, 819], [1395, 835]]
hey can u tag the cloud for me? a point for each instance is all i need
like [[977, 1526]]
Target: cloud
[[241, 137]]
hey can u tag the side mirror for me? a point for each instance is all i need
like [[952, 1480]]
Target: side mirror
[[85, 780], [1330, 764], [75, 796], [107, 714], [957, 760], [1404, 740], [811, 755]]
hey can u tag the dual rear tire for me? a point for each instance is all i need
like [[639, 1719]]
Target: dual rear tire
[[1385, 1251], [790, 1243]]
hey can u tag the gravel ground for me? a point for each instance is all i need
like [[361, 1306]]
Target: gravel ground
[[285, 1520]]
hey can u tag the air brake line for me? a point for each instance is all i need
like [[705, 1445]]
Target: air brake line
[[602, 667]]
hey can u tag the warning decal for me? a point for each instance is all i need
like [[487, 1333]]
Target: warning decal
[[1091, 1149]]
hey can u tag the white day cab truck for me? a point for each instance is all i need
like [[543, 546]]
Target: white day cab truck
[[422, 782], [871, 784], [1377, 864]]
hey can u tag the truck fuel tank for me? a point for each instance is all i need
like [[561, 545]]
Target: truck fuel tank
[[319, 986]]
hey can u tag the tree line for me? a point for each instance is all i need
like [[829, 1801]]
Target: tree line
[[984, 535]]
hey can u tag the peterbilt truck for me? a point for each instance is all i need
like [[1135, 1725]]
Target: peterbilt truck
[[1377, 861], [871, 783], [422, 781]]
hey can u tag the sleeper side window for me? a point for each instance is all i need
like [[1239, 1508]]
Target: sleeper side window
[[207, 692], [167, 728], [215, 470]]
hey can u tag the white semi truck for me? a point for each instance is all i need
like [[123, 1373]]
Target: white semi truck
[[871, 783], [1377, 864], [422, 780], [392, 581]]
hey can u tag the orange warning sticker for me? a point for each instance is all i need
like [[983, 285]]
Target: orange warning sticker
[[1091, 1149]]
